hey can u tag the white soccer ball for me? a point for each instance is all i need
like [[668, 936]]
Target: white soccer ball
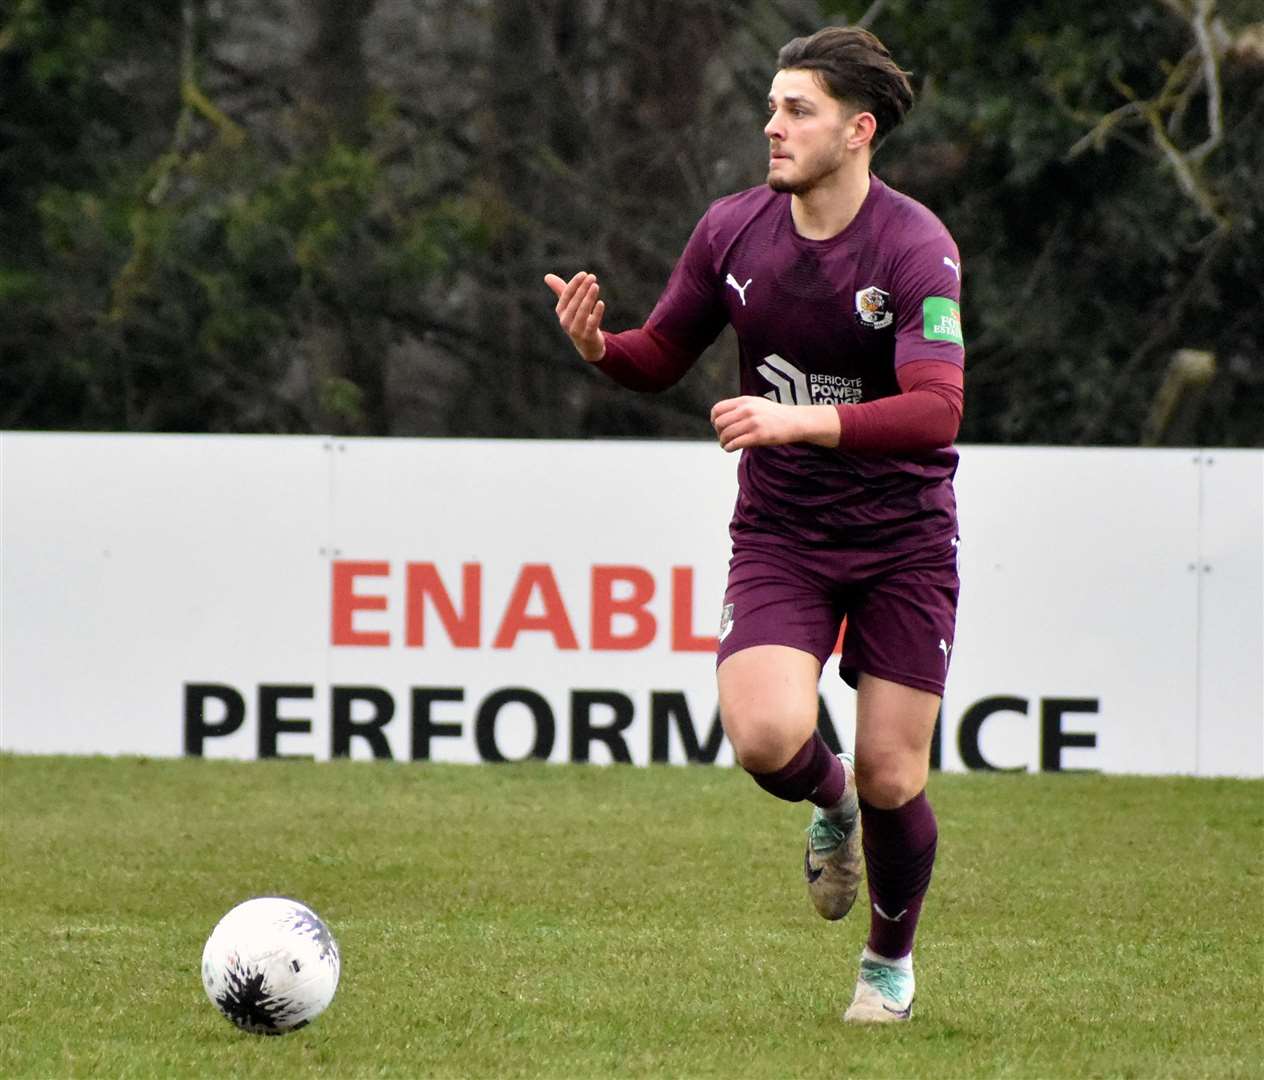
[[271, 965]]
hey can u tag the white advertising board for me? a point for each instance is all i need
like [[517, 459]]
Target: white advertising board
[[476, 601], [132, 565], [1230, 625]]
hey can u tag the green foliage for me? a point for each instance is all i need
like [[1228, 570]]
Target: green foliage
[[170, 291], [546, 921], [207, 284]]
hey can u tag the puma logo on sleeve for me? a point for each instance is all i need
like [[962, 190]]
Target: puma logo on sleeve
[[741, 289]]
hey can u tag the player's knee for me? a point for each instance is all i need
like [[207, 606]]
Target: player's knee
[[759, 752], [889, 781], [760, 745]]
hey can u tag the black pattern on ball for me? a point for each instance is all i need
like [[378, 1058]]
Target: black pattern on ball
[[246, 1004]]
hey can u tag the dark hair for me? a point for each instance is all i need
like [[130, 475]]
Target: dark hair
[[856, 68]]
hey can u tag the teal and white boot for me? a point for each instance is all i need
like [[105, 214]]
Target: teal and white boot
[[832, 860]]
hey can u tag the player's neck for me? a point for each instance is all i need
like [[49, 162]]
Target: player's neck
[[828, 208]]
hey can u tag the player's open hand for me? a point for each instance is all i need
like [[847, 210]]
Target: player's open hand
[[741, 422], [579, 312]]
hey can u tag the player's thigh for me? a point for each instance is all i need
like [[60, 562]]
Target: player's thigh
[[768, 703], [894, 727], [779, 625]]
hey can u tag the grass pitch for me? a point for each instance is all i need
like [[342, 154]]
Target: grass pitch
[[564, 921]]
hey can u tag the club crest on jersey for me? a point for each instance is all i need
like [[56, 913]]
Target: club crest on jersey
[[873, 308]]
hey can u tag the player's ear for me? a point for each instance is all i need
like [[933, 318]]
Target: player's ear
[[861, 128]]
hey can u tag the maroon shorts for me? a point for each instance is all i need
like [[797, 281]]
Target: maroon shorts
[[901, 607]]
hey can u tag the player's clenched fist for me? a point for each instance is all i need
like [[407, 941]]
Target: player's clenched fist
[[579, 311], [754, 421]]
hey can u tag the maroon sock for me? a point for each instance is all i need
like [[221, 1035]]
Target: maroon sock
[[814, 773], [899, 855]]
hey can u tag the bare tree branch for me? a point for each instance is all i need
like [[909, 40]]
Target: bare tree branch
[[1103, 128], [1211, 78], [1186, 170], [1162, 327], [871, 15], [1179, 396], [1162, 112]]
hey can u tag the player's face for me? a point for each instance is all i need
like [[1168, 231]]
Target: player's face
[[807, 132]]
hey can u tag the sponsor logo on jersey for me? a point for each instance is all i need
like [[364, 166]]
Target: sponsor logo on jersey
[[941, 319], [873, 307], [740, 289], [794, 387], [790, 385]]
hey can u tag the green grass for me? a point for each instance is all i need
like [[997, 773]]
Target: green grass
[[533, 920]]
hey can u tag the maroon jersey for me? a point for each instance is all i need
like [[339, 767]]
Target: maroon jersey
[[826, 322]]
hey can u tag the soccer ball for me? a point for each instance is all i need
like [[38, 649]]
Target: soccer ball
[[271, 965]]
